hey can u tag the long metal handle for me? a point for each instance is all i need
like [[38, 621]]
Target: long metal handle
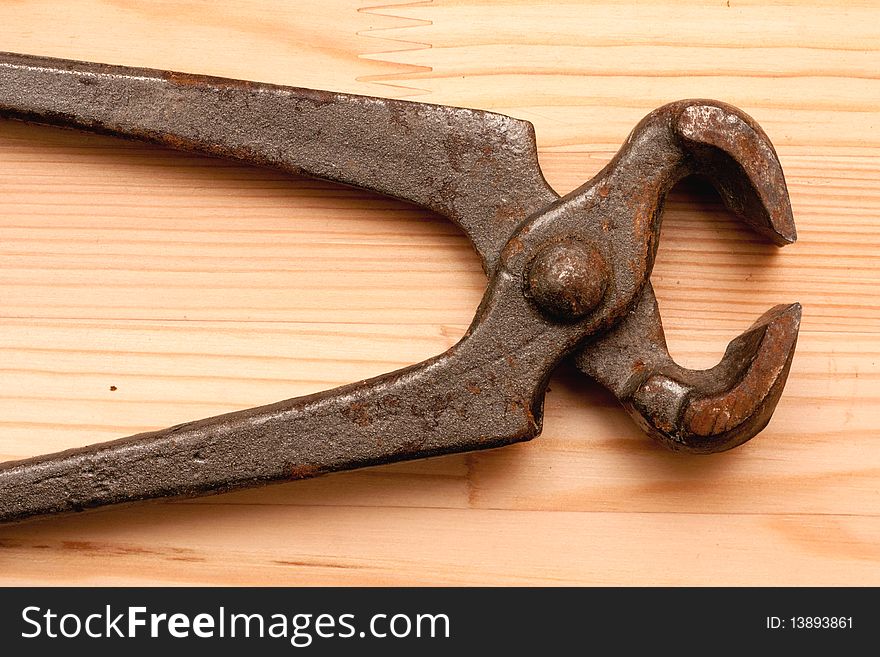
[[477, 395], [479, 169]]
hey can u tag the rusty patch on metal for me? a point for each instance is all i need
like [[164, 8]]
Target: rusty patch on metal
[[304, 471]]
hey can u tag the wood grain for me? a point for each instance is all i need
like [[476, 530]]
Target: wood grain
[[140, 287]]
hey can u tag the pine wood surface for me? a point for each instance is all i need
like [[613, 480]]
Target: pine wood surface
[[141, 287]]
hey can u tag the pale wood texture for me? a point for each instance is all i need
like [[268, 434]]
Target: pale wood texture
[[140, 287]]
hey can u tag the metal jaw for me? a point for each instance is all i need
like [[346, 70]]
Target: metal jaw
[[567, 277]]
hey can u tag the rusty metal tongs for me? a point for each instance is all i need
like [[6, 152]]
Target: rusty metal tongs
[[567, 277]]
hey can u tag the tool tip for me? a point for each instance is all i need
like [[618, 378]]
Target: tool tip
[[730, 148]]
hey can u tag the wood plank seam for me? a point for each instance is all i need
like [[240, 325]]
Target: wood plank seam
[[387, 10]]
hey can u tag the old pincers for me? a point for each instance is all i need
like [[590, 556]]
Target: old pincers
[[568, 278]]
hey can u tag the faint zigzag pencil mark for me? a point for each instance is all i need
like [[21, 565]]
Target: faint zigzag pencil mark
[[404, 70]]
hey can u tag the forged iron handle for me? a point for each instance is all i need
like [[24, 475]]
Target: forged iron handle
[[478, 169]]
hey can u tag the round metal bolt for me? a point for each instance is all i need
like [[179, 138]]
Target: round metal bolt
[[568, 280]]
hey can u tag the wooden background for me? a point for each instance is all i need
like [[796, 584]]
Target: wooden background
[[141, 287]]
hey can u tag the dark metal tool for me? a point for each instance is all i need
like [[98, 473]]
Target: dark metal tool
[[567, 277]]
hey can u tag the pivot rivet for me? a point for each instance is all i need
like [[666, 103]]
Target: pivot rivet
[[568, 280]]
